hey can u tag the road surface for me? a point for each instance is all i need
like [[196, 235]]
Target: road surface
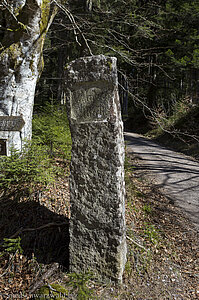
[[176, 174]]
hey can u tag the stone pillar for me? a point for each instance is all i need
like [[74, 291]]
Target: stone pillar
[[97, 225]]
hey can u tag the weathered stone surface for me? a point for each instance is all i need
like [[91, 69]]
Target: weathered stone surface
[[97, 225]]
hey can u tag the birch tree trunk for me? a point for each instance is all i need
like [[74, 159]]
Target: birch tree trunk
[[24, 24]]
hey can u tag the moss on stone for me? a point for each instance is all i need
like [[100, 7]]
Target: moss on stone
[[57, 292]]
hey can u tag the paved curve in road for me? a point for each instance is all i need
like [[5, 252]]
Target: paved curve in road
[[176, 174]]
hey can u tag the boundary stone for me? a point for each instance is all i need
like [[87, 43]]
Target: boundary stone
[[97, 224]]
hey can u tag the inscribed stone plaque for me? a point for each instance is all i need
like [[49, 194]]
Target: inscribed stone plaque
[[97, 193], [89, 104], [3, 147], [11, 123]]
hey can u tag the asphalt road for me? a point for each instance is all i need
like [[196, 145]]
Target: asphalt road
[[176, 174]]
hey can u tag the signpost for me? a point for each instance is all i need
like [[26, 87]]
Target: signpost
[[11, 123], [10, 126]]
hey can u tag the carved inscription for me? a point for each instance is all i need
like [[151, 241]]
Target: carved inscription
[[11, 123], [2, 147], [89, 105]]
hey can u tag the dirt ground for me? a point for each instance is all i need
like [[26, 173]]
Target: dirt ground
[[163, 254]]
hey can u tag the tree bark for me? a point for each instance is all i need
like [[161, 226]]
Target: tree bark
[[24, 24]]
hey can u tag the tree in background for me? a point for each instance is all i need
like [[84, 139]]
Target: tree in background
[[23, 27], [155, 42], [115, 28]]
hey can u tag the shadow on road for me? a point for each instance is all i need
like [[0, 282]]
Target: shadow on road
[[176, 174]]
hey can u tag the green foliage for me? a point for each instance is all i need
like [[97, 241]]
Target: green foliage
[[26, 168], [147, 209], [51, 128], [180, 131], [79, 282], [155, 42], [169, 53], [180, 110], [11, 246], [33, 165], [151, 233], [195, 59]]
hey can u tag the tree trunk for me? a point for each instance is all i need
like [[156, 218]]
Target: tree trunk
[[24, 24]]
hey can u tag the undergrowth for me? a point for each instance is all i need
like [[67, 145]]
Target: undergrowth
[[25, 169], [179, 131], [34, 164]]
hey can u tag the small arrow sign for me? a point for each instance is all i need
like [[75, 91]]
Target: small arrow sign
[[11, 123]]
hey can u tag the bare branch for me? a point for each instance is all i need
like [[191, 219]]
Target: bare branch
[[135, 243], [74, 24]]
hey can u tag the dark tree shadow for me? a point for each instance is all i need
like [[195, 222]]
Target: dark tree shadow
[[43, 232]]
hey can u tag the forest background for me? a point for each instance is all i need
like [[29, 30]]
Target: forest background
[[156, 44]]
